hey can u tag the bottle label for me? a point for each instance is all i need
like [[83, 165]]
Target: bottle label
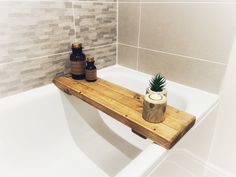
[[91, 74], [77, 67]]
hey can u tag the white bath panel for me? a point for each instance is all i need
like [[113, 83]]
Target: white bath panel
[[171, 169], [185, 164], [209, 173]]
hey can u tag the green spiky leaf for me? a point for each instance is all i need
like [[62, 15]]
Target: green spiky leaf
[[157, 83]]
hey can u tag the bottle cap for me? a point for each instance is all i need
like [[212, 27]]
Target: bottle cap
[[90, 59], [76, 45]]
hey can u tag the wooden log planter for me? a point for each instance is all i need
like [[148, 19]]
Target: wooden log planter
[[126, 106], [154, 108]]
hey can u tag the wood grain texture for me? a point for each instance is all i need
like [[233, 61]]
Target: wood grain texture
[[154, 113], [126, 106]]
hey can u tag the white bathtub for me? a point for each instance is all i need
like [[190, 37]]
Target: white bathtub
[[46, 133]]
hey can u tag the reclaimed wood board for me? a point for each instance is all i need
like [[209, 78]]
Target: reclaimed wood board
[[126, 106]]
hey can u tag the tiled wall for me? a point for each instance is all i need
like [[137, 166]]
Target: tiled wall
[[35, 39], [189, 42]]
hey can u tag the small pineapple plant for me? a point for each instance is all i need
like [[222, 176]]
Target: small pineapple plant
[[155, 100], [157, 84]]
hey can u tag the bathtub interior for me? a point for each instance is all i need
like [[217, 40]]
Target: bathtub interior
[[110, 144], [44, 131], [34, 140]]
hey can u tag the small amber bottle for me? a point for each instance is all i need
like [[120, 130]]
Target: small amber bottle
[[91, 70], [78, 61]]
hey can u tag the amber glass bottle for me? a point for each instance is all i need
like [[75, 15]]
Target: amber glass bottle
[[78, 62], [91, 70]]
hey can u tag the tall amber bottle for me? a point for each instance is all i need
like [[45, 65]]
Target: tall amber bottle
[[78, 61]]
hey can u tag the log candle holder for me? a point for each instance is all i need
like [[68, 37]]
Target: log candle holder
[[154, 107]]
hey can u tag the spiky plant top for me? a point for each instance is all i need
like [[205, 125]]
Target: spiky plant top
[[157, 83]]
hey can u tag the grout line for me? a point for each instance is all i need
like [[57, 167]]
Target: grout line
[[128, 45], [73, 11], [182, 2], [156, 2], [99, 2], [139, 28], [174, 54], [117, 31], [133, 2], [180, 55], [101, 46], [144, 2], [51, 55], [34, 58], [51, 1]]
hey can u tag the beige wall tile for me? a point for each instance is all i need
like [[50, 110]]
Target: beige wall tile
[[127, 56], [128, 23], [199, 30], [128, 0], [195, 73], [94, 0]]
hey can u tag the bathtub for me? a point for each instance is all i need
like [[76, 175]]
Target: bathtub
[[47, 133]]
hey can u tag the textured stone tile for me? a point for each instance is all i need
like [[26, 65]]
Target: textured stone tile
[[104, 56], [34, 29], [34, 34], [95, 23], [24, 75]]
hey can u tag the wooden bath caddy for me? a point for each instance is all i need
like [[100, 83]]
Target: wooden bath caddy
[[126, 106]]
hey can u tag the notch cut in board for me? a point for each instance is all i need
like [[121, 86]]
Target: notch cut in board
[[126, 106]]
